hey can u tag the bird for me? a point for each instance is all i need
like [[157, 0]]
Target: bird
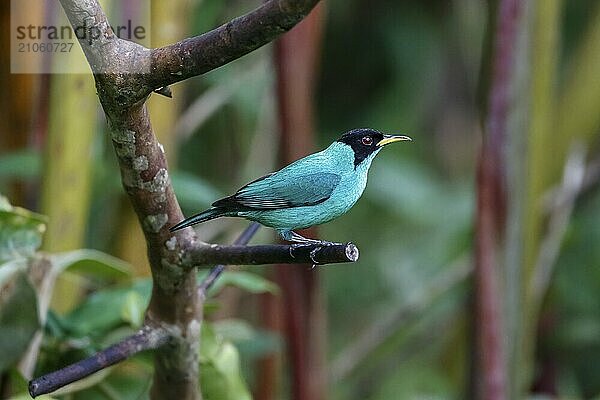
[[310, 191]]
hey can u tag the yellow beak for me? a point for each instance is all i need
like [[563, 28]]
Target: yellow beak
[[387, 139]]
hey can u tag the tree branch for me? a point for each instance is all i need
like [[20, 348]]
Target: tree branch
[[146, 338], [271, 254], [200, 54], [137, 71]]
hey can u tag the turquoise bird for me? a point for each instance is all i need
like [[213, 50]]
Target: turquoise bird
[[311, 191]]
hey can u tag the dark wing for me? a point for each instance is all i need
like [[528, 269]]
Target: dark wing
[[280, 190]]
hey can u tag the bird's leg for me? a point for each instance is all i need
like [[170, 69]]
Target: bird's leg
[[299, 240], [312, 255], [296, 237]]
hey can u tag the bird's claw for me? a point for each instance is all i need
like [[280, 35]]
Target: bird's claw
[[312, 255], [295, 246], [314, 252]]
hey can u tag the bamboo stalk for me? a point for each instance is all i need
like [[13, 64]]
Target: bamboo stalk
[[539, 153], [66, 180]]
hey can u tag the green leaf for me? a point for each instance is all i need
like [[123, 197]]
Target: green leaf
[[20, 231], [414, 381], [221, 379], [220, 374], [18, 313], [247, 281], [44, 270], [18, 383], [210, 307], [133, 309], [209, 342], [235, 330], [4, 204], [129, 381], [94, 263], [250, 343], [101, 311], [26, 396]]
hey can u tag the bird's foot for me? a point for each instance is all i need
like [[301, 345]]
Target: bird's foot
[[318, 248], [295, 246], [301, 241], [313, 253]]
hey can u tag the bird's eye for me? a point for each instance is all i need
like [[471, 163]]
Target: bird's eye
[[367, 140]]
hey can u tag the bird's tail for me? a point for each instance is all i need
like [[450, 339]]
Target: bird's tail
[[204, 216]]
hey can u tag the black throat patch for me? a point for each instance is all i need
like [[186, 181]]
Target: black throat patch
[[363, 142]]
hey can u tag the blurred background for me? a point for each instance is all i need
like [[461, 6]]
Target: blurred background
[[400, 323]]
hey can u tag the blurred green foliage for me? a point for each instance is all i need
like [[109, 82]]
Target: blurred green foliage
[[113, 309]]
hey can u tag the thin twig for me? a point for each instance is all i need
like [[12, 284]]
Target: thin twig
[[560, 215], [146, 338], [382, 329], [212, 100], [552, 199]]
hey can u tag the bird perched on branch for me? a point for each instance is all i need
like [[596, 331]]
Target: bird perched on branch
[[311, 191]]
